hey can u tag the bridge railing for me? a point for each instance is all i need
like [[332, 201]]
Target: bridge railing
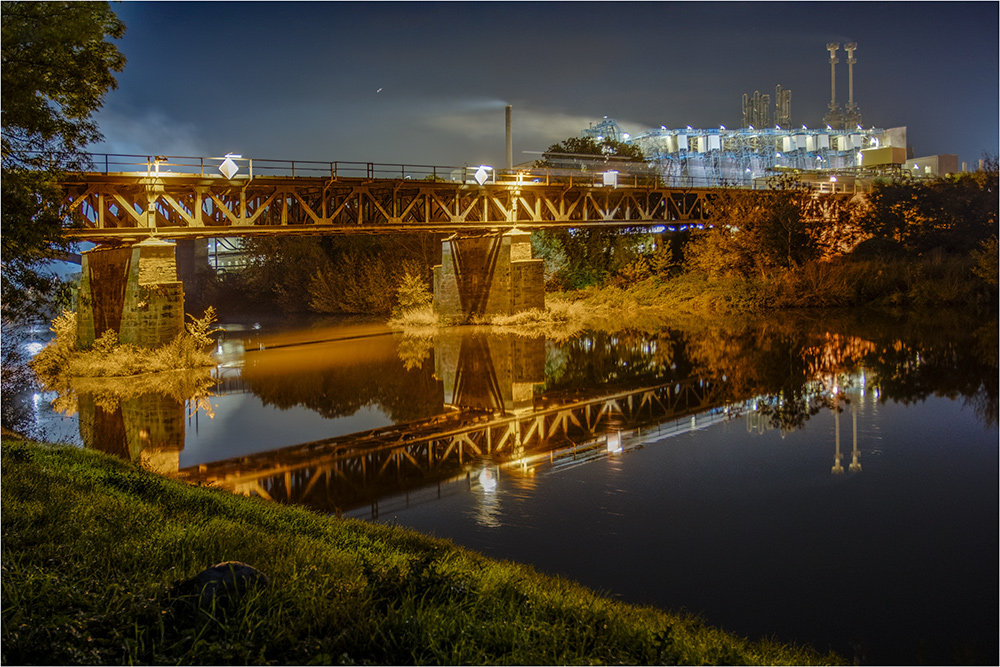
[[165, 165]]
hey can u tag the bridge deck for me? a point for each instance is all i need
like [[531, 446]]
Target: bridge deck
[[121, 206], [188, 198]]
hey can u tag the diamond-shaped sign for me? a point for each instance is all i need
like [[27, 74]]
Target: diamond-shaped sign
[[482, 175], [228, 168]]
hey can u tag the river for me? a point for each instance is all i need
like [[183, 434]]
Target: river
[[829, 479]]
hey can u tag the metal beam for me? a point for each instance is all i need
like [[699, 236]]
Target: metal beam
[[198, 206]]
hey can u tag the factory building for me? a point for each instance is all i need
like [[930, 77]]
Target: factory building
[[719, 157], [745, 157]]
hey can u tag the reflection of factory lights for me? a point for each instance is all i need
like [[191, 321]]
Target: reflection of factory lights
[[487, 480], [614, 442]]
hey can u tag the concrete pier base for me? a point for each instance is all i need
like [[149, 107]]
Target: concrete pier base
[[133, 290], [488, 276]]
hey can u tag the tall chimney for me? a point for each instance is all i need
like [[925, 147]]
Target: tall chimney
[[832, 48], [510, 144], [850, 74], [833, 118]]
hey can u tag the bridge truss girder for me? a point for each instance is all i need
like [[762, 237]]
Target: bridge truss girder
[[119, 207]]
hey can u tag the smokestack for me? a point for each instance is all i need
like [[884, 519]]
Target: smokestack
[[850, 74], [832, 48], [510, 144], [833, 117]]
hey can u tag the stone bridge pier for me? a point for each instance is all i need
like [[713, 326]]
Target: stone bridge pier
[[131, 289], [491, 275]]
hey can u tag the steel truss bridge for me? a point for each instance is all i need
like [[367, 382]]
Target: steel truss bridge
[[179, 197], [353, 470]]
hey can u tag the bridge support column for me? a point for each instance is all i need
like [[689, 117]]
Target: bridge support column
[[488, 276], [132, 290]]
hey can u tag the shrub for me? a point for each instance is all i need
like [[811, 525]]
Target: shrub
[[56, 355], [109, 357], [987, 261], [412, 294]]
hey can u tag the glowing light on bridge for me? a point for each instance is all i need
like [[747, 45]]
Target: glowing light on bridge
[[483, 173], [228, 167]]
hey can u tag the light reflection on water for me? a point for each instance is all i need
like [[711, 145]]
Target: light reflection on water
[[831, 486]]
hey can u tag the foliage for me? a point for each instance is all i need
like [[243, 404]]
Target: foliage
[[577, 258], [413, 293], [349, 274], [359, 282], [57, 68], [753, 233], [279, 270], [572, 153], [953, 213], [987, 261], [92, 545], [61, 359]]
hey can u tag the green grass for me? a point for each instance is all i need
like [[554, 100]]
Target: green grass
[[91, 546]]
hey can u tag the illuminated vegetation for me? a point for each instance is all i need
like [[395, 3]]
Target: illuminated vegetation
[[62, 359], [92, 545]]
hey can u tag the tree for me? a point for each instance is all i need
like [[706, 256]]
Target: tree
[[581, 257], [575, 152], [57, 68], [954, 213], [753, 233], [334, 274]]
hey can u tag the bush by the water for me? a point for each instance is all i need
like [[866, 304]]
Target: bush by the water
[[108, 357]]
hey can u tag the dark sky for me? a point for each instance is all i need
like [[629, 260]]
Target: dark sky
[[301, 80]]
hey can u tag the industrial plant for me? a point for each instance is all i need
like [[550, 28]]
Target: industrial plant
[[842, 148]]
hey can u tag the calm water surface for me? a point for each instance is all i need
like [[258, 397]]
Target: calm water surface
[[826, 480]]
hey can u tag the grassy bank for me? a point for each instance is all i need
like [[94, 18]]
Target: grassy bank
[[925, 283], [91, 546]]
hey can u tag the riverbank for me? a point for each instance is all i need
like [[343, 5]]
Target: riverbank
[[92, 546], [923, 284]]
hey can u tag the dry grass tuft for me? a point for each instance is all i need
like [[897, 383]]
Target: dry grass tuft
[[108, 357]]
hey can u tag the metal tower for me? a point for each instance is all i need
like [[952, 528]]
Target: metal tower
[[756, 110], [833, 117], [782, 107], [852, 117]]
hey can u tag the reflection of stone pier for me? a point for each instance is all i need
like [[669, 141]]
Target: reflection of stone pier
[[490, 372], [148, 429]]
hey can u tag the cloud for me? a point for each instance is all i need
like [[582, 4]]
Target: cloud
[[536, 129], [147, 133]]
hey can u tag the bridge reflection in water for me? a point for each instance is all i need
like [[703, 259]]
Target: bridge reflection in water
[[496, 420]]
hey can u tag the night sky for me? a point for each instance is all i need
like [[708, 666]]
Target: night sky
[[426, 83]]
